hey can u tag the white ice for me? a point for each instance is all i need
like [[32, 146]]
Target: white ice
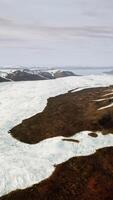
[[22, 165], [105, 107], [99, 100], [108, 94]]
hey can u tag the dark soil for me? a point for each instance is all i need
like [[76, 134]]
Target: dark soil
[[71, 140], [66, 115], [93, 135], [80, 178]]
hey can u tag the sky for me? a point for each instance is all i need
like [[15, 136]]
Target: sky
[[56, 32]]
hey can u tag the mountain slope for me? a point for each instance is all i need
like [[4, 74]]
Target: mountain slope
[[4, 79], [68, 114], [30, 75]]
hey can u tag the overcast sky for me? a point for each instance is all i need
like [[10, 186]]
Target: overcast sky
[[56, 32]]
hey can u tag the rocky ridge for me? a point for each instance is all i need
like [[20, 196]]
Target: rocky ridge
[[33, 75]]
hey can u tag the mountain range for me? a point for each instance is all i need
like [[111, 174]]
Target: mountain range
[[31, 75]]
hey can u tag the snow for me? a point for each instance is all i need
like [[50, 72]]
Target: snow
[[105, 107], [100, 100], [111, 93], [105, 99], [22, 165], [4, 72]]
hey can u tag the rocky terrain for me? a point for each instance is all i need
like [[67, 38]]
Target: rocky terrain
[[109, 72], [68, 114], [80, 178], [4, 79], [59, 74], [24, 76], [30, 75]]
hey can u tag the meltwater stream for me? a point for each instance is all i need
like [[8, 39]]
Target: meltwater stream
[[22, 165]]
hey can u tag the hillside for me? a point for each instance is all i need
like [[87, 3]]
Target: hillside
[[33, 75], [68, 114]]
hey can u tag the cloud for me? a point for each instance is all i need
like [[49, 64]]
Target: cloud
[[5, 21], [48, 27]]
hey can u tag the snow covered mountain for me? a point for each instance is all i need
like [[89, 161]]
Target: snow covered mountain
[[3, 79], [30, 75], [109, 72]]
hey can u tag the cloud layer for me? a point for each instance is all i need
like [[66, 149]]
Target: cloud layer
[[62, 32]]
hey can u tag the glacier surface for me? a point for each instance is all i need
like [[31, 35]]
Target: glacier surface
[[22, 165]]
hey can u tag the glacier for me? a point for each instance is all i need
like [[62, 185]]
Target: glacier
[[22, 165]]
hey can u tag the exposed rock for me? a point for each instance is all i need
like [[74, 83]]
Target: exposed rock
[[47, 75], [66, 115], [109, 72], [80, 178], [24, 76], [93, 135], [71, 140], [60, 74], [4, 79], [29, 75]]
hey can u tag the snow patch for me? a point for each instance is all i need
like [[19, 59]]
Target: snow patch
[[105, 107]]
